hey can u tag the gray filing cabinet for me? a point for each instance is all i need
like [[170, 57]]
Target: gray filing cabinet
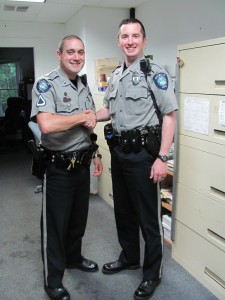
[[199, 217]]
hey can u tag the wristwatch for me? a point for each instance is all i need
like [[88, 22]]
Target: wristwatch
[[163, 158], [97, 155]]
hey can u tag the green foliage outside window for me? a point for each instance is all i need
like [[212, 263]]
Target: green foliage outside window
[[8, 84]]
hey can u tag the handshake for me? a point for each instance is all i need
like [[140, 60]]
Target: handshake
[[89, 119]]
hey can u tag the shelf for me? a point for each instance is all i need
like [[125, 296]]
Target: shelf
[[166, 205], [170, 172]]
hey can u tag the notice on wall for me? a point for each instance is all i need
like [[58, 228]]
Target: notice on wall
[[196, 115], [222, 113]]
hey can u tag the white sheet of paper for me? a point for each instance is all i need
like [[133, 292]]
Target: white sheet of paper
[[196, 115], [222, 113]]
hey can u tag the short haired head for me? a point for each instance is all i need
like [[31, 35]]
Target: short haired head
[[133, 20], [69, 37]]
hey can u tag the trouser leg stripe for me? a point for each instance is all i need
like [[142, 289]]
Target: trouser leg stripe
[[160, 222], [44, 226]]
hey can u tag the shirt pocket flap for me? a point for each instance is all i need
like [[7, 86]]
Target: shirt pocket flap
[[66, 107], [136, 93]]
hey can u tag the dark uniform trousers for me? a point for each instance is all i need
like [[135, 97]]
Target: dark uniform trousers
[[137, 205], [64, 217]]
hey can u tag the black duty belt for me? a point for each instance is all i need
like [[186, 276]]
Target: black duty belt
[[65, 155], [132, 136], [70, 159], [133, 140]]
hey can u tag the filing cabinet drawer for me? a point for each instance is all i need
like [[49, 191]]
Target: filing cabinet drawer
[[206, 66], [201, 258], [105, 188], [202, 172], [203, 215], [195, 118]]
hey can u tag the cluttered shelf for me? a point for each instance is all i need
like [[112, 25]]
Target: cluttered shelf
[[167, 187], [167, 198], [167, 205], [170, 173]]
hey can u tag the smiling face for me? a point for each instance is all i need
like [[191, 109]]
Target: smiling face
[[71, 57], [131, 41]]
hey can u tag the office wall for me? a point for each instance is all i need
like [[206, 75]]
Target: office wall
[[168, 24], [43, 37], [98, 29], [96, 26], [174, 22]]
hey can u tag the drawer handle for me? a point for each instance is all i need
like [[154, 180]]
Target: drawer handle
[[217, 193], [214, 277], [219, 133], [216, 237], [110, 195], [220, 82]]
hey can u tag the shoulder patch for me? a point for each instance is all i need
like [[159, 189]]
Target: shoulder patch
[[161, 81], [43, 86], [41, 101]]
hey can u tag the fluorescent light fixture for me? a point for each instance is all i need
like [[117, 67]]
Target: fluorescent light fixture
[[40, 1]]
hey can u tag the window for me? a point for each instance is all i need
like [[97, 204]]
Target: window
[[9, 82]]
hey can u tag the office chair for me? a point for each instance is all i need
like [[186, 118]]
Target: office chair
[[36, 131], [12, 125]]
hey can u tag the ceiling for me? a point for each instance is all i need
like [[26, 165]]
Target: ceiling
[[55, 11]]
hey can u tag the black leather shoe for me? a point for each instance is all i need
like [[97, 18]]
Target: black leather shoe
[[57, 293], [85, 265], [117, 266], [146, 289]]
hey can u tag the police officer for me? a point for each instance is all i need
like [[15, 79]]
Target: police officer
[[63, 107], [136, 172]]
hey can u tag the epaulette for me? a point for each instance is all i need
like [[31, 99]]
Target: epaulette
[[156, 65], [83, 79], [52, 75], [116, 68]]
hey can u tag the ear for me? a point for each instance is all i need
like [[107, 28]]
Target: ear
[[145, 41], [58, 54], [118, 42]]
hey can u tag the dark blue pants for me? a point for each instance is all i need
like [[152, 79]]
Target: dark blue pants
[[64, 218], [137, 206]]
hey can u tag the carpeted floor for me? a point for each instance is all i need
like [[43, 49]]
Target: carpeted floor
[[20, 258]]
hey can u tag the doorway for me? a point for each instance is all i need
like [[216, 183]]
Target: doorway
[[16, 74], [16, 82]]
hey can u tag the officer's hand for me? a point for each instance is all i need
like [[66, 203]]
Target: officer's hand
[[98, 167], [158, 171], [90, 119]]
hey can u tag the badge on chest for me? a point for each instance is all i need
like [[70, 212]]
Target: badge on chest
[[136, 78]]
